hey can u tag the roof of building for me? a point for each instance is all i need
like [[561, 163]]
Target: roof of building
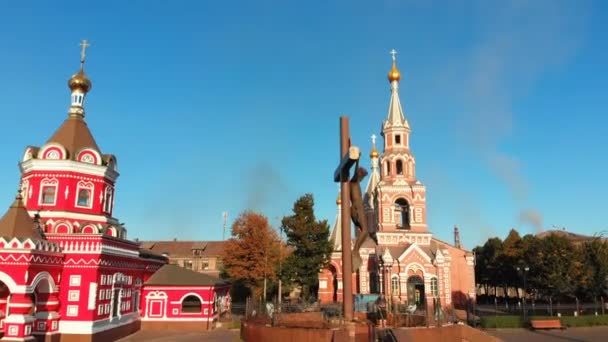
[[183, 249], [179, 276], [18, 223], [74, 135]]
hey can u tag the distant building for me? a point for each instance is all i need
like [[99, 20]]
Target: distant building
[[408, 265], [198, 256]]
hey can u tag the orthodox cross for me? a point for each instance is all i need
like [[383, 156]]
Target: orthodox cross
[[83, 53], [374, 139], [394, 53]]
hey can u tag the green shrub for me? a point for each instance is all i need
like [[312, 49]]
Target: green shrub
[[489, 322], [584, 321]]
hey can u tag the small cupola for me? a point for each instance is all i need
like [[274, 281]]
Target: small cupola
[[79, 85]]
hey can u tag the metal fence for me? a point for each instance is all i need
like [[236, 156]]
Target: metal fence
[[529, 308]]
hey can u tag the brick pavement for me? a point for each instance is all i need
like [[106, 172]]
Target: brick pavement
[[218, 335]]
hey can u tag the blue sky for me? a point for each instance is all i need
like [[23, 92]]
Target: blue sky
[[223, 106]]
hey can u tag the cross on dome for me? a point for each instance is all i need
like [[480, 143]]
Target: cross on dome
[[374, 139], [83, 53], [394, 54]]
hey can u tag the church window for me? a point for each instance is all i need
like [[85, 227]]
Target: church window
[[398, 139], [403, 208], [399, 167], [434, 287], [48, 194], [191, 304], [107, 206], [84, 198], [388, 168], [84, 193], [395, 285]]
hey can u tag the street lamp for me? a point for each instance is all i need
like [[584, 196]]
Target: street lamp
[[525, 272]]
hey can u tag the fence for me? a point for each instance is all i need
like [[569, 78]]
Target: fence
[[529, 308]]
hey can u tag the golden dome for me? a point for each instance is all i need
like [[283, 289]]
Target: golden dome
[[80, 81], [394, 74], [374, 153], [339, 200]]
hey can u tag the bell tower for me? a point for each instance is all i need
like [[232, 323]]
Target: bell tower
[[401, 197]]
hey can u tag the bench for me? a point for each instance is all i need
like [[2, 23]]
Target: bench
[[546, 324]]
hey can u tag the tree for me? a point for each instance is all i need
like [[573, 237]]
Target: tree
[[309, 241], [252, 253], [594, 266]]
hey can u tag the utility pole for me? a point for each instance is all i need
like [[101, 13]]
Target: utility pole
[[225, 216], [265, 265], [280, 265]]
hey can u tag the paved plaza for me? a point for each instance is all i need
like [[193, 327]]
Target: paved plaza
[[219, 335], [587, 334]]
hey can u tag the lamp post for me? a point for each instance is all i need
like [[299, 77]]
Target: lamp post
[[525, 272]]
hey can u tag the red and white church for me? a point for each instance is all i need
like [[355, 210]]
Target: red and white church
[[67, 270], [409, 265]]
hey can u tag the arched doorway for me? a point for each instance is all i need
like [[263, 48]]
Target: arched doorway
[[334, 283], [415, 290], [4, 294]]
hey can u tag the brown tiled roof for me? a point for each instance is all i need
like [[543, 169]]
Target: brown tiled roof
[[183, 249], [74, 135], [179, 276], [18, 223], [396, 251]]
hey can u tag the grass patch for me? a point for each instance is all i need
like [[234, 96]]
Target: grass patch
[[235, 324], [489, 322]]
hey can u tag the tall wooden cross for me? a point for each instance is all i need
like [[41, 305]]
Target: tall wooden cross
[[349, 155], [83, 53]]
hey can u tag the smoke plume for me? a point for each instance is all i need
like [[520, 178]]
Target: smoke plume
[[532, 217], [264, 185]]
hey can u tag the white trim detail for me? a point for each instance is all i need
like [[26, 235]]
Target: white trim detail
[[68, 166]]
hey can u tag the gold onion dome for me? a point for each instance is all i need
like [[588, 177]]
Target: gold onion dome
[[394, 74], [374, 153], [339, 200], [80, 81]]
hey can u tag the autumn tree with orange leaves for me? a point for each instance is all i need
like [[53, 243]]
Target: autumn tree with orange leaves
[[252, 253]]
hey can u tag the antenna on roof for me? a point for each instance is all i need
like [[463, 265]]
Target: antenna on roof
[[225, 217]]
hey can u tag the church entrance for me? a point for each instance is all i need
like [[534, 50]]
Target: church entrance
[[415, 291], [4, 294]]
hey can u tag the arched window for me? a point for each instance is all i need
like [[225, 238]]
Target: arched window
[[107, 204], [191, 304], [434, 287], [388, 168], [395, 285], [48, 194], [374, 282], [403, 208], [399, 167]]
